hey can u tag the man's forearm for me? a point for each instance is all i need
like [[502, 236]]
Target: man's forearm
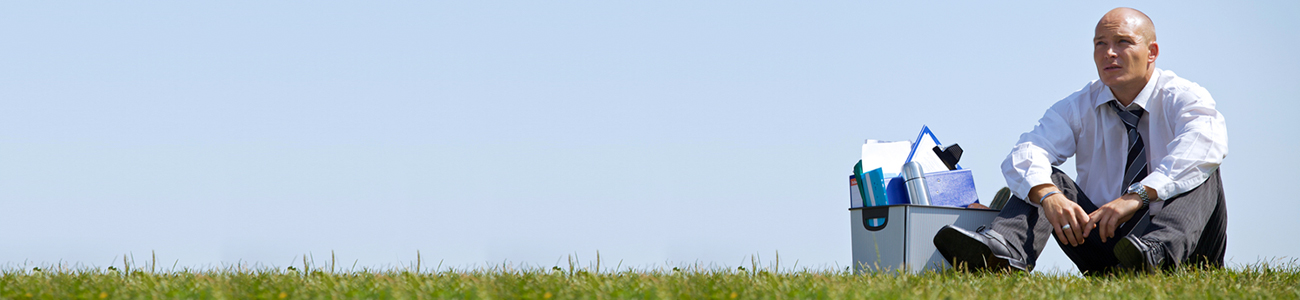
[[1026, 168], [1037, 192]]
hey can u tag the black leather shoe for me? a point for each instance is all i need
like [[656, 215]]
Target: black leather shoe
[[983, 249], [1139, 254]]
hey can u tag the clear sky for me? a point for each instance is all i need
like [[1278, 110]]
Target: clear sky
[[479, 132]]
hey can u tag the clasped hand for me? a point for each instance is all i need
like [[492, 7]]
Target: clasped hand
[[1115, 213], [1060, 212], [1067, 219]]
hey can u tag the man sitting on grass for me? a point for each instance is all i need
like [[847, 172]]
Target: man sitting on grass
[[1147, 146]]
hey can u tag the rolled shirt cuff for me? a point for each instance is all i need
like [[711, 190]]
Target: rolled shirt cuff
[[1032, 180], [1160, 182]]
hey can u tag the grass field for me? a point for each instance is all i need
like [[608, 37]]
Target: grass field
[[1260, 281]]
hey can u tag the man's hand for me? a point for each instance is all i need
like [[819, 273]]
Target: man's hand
[[1110, 216], [1061, 211]]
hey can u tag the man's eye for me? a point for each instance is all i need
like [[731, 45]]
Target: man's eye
[[1099, 44]]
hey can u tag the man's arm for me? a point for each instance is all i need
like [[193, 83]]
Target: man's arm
[[1028, 169], [1049, 144], [1200, 144]]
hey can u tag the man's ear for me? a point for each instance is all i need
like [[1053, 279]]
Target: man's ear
[[1154, 51]]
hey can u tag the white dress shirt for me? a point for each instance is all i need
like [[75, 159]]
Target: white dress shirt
[[1186, 140]]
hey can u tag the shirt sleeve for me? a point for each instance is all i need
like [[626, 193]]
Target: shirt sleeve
[[1200, 144], [1049, 144]]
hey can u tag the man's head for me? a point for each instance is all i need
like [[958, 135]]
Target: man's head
[[1125, 50]]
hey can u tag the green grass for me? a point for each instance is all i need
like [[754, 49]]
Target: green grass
[[1250, 282]]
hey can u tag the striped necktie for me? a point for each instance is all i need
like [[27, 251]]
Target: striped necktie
[[1135, 168]]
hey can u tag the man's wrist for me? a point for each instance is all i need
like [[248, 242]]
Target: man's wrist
[[1141, 191], [1136, 200], [1039, 192], [1152, 194], [1047, 195]]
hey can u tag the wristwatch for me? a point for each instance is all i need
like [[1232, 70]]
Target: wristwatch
[[1141, 191]]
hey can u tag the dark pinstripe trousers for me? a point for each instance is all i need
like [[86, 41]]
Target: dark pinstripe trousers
[[1192, 227]]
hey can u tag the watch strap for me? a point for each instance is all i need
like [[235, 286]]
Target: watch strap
[[1141, 191], [1145, 201]]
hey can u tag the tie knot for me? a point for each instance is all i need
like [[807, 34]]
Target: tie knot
[[1130, 117]]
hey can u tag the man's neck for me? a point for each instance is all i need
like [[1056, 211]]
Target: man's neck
[[1126, 94], [1124, 98]]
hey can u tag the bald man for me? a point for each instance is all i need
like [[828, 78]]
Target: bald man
[[1147, 146]]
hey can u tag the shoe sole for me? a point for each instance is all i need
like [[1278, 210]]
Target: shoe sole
[[1130, 256], [959, 248]]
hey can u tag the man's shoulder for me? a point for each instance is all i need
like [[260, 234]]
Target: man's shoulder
[[1092, 88], [1171, 85], [1169, 81], [1082, 98]]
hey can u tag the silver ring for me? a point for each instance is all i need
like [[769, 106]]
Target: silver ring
[[1067, 226]]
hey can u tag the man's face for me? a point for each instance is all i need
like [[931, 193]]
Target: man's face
[[1123, 55]]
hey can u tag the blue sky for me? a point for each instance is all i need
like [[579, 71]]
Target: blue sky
[[658, 133]]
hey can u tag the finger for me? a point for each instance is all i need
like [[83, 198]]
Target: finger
[[1115, 222], [1112, 224], [1102, 227], [1066, 237], [1109, 227], [1063, 234], [1088, 227], [1076, 232], [1061, 220], [1080, 217], [1084, 219], [1057, 222], [1060, 236], [1073, 231], [1054, 214]]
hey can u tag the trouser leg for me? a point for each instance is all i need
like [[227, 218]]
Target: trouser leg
[[1095, 257], [1193, 226], [1026, 228]]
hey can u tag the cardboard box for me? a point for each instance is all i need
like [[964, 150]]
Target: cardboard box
[[902, 236]]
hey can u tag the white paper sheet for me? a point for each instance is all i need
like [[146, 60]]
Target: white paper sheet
[[887, 155], [929, 161]]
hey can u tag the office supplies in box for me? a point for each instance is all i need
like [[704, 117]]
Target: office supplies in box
[[954, 188], [946, 187], [893, 234], [867, 189]]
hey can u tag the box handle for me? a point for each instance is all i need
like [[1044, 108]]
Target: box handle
[[875, 212]]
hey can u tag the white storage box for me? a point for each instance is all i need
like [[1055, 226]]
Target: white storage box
[[905, 238]]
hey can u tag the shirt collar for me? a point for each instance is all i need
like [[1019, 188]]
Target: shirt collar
[[1142, 97]]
